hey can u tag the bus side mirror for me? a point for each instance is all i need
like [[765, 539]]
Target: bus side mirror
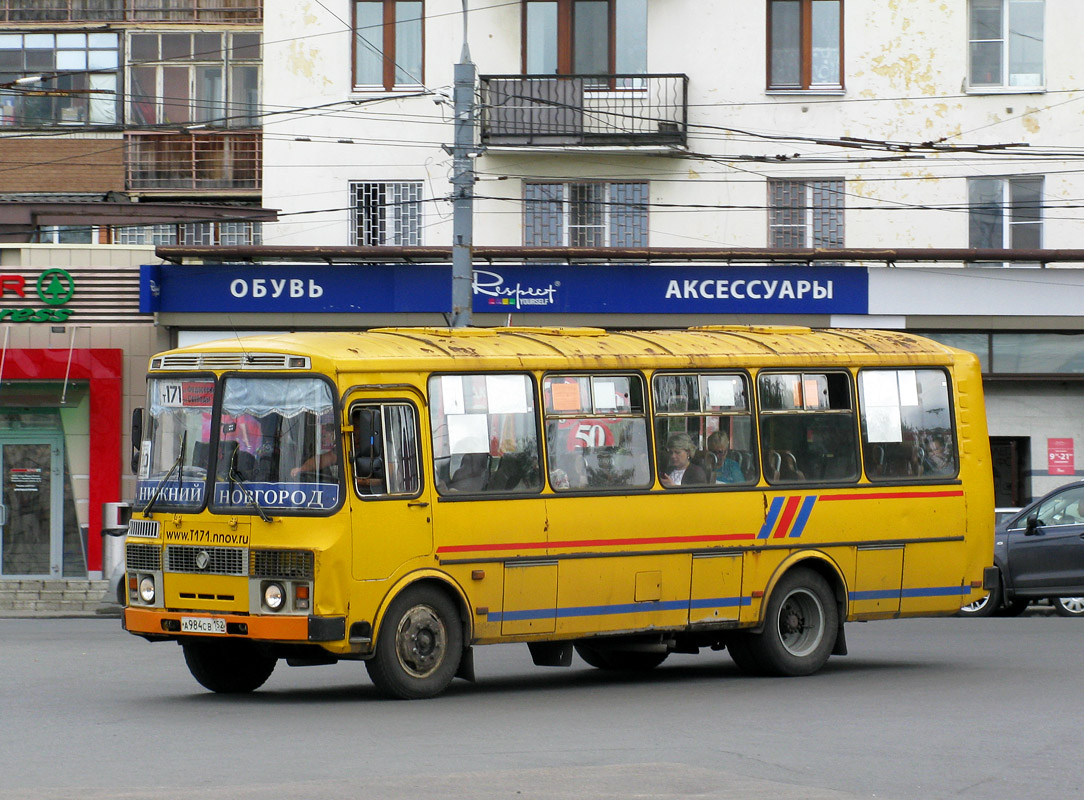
[[137, 437], [1032, 528]]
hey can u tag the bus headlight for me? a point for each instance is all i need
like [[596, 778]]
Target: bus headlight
[[274, 596], [146, 589]]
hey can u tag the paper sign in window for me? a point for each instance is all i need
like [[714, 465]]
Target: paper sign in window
[[908, 388], [721, 393], [880, 388], [605, 395], [506, 394], [812, 393], [451, 389], [468, 433], [566, 396], [883, 424]]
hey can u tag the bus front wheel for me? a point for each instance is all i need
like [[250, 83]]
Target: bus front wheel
[[419, 645], [227, 667], [800, 628]]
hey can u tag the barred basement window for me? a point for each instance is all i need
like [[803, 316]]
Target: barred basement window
[[385, 213]]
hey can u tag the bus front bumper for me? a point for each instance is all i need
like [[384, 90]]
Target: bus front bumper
[[157, 623]]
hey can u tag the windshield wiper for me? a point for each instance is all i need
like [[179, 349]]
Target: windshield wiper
[[179, 463], [235, 477]]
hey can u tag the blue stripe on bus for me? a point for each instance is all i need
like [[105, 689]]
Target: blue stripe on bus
[[923, 591], [620, 608], [803, 516], [773, 515]]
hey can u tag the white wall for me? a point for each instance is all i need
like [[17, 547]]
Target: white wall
[[905, 74]]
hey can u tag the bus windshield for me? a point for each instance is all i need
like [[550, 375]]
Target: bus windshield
[[173, 458], [277, 445]]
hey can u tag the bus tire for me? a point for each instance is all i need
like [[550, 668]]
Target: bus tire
[[738, 647], [419, 646], [227, 667], [614, 660], [800, 626]]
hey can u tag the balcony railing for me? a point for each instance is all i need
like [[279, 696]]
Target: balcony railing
[[231, 11], [584, 110], [196, 161]]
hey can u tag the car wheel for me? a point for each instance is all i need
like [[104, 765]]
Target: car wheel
[[983, 607], [1015, 608], [1068, 606]]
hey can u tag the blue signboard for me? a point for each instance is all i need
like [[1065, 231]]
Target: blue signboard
[[536, 288]]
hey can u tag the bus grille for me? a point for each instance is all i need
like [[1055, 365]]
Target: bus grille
[[143, 557], [282, 564], [147, 528], [206, 560]]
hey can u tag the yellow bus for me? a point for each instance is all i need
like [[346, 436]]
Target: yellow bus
[[398, 496]]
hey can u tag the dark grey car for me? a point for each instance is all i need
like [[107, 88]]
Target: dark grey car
[[1039, 553]]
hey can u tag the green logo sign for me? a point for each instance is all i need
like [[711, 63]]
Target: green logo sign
[[55, 287]]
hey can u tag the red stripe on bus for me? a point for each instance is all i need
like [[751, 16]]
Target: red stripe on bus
[[789, 510], [725, 537], [891, 495]]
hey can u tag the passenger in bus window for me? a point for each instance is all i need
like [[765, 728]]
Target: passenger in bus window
[[606, 473], [727, 469], [938, 460], [681, 470]]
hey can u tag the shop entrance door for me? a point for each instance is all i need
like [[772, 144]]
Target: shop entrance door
[[31, 505]]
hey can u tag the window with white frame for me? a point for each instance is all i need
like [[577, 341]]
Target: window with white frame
[[78, 78], [67, 234], [1006, 43], [1005, 212], [805, 213], [388, 43], [191, 233], [208, 78], [587, 214], [385, 213]]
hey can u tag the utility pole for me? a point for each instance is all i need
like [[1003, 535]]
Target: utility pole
[[463, 187]]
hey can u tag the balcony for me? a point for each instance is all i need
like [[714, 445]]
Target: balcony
[[601, 111], [193, 162], [53, 11]]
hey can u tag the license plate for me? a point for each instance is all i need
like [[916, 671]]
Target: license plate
[[203, 625]]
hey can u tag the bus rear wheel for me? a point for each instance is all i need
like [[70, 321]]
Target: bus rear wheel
[[228, 667], [799, 630], [615, 660], [419, 646]]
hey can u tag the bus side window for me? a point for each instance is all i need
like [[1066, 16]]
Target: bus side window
[[807, 427], [713, 411], [485, 434], [907, 428], [385, 449]]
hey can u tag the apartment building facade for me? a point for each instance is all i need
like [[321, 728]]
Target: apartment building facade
[[123, 124]]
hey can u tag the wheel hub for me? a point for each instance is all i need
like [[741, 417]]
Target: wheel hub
[[421, 641]]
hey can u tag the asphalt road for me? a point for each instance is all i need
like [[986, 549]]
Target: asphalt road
[[946, 708]]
